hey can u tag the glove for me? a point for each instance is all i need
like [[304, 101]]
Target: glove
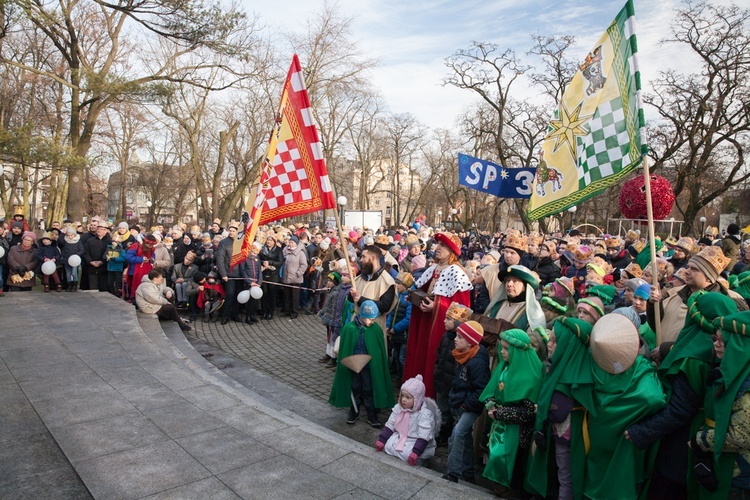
[[540, 439], [413, 459], [704, 473], [379, 445]]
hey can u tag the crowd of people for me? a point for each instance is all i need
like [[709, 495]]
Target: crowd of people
[[557, 365]]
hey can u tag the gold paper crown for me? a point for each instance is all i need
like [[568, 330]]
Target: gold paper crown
[[582, 253], [535, 239], [572, 247], [458, 312], [512, 232], [593, 278], [602, 264], [713, 231], [686, 244], [638, 245], [634, 270], [671, 241], [632, 235], [714, 256], [613, 242], [515, 242]]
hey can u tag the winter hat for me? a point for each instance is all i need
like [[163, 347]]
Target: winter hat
[[325, 244], [471, 331], [405, 279], [335, 277], [123, 225], [71, 230], [150, 239], [733, 229], [353, 236], [634, 283], [419, 261], [416, 388], [629, 313], [294, 239], [495, 255], [710, 261], [257, 244], [199, 276], [593, 305], [642, 291], [17, 224], [29, 234], [368, 310]]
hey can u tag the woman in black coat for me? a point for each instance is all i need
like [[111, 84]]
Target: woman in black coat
[[270, 264]]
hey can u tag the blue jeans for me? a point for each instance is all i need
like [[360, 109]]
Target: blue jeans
[[461, 444]]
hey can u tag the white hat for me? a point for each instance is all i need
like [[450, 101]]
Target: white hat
[[325, 244], [614, 343]]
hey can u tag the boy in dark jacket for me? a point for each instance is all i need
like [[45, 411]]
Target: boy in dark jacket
[[445, 367], [48, 251], [397, 322], [471, 377]]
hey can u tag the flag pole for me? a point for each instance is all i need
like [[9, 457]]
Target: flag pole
[[343, 246], [652, 246]]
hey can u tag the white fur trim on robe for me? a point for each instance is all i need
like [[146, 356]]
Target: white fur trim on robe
[[453, 279]]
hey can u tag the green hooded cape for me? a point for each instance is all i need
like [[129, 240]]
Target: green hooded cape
[[741, 284], [735, 369], [570, 372], [515, 380], [614, 466], [381, 380]]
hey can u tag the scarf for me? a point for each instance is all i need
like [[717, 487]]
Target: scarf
[[463, 356]]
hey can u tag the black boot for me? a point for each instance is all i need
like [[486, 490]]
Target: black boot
[[372, 418], [250, 320]]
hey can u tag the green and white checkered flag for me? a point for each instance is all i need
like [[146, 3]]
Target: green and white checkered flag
[[596, 137]]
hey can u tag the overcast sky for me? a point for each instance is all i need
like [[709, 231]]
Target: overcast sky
[[411, 38]]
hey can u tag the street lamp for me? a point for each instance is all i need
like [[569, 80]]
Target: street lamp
[[703, 227], [148, 215], [440, 218], [572, 211], [453, 217], [342, 203]]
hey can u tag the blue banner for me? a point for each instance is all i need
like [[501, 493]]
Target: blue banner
[[491, 178]]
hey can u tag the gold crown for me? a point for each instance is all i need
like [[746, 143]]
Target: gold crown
[[671, 241], [516, 242], [613, 242], [634, 270], [458, 312], [713, 231], [512, 232], [638, 245]]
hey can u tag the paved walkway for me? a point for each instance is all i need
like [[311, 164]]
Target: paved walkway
[[98, 402]]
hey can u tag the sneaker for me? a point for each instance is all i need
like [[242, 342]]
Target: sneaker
[[331, 363], [324, 359], [353, 416], [185, 328], [374, 422], [450, 477]]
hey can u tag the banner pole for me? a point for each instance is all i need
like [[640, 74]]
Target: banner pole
[[652, 247]]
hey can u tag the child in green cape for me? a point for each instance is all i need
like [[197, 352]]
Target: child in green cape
[[510, 399]]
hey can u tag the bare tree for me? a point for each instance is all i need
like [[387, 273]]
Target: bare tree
[[100, 61], [704, 131]]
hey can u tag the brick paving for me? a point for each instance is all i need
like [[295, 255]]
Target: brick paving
[[286, 349]]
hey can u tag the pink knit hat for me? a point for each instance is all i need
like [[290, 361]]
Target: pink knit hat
[[415, 387], [419, 261], [29, 234]]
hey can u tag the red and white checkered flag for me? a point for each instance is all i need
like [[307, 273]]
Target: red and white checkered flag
[[293, 179]]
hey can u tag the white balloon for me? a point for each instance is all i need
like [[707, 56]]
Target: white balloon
[[49, 267], [256, 292], [2, 252], [243, 296], [74, 260]]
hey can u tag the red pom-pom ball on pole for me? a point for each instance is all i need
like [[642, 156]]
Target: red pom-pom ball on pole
[[633, 198]]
